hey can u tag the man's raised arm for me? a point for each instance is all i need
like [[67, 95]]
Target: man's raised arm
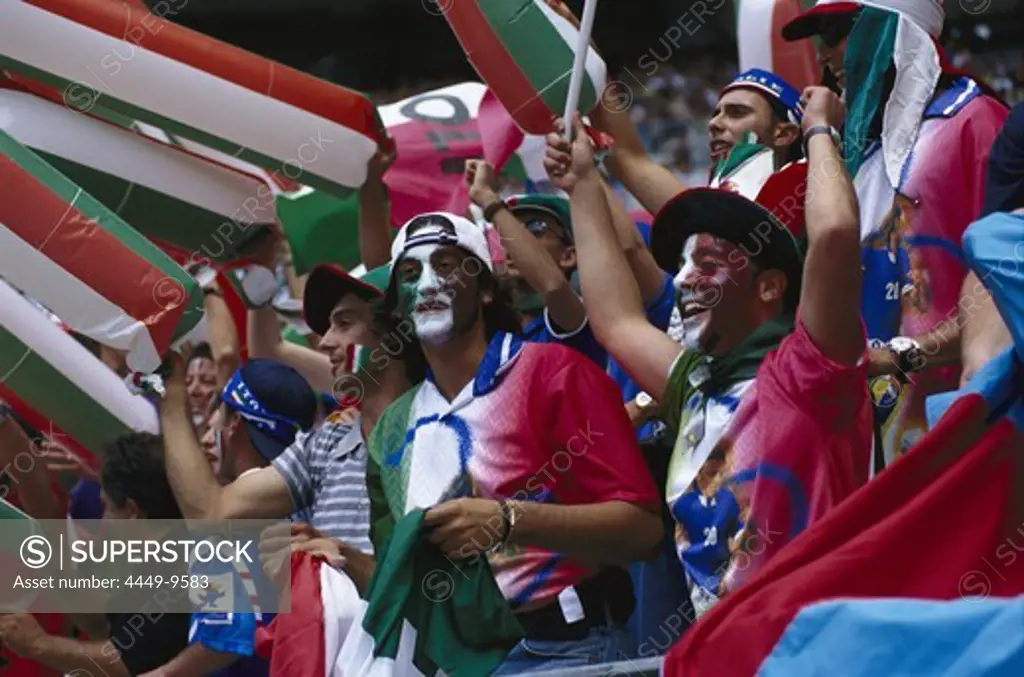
[[831, 289], [261, 494], [610, 291]]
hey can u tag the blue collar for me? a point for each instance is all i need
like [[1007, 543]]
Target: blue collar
[[502, 351], [950, 102]]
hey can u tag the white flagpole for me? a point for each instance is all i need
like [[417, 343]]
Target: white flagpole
[[579, 64]]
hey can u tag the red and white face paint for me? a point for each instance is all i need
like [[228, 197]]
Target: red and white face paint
[[708, 297]]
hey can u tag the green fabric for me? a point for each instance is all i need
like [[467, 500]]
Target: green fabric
[[133, 241], [386, 483], [464, 625], [291, 334], [320, 228], [378, 278], [739, 154], [538, 49], [739, 364], [54, 396], [162, 217], [869, 53], [102, 104]]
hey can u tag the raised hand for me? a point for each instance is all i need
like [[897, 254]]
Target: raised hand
[[822, 106], [482, 181], [566, 163]]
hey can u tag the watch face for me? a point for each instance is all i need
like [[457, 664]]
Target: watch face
[[902, 344], [643, 400]]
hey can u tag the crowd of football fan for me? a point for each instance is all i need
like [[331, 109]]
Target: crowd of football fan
[[668, 383]]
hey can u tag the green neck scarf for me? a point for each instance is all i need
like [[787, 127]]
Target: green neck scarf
[[713, 377], [869, 53]]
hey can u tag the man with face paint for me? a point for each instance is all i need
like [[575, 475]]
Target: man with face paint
[[520, 452], [756, 102], [770, 383], [916, 144]]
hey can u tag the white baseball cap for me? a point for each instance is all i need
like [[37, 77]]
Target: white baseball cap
[[442, 228]]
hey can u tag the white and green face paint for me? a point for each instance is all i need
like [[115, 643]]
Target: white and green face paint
[[426, 299]]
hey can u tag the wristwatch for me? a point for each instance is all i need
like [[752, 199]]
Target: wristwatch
[[646, 404], [492, 209], [907, 353], [823, 129]]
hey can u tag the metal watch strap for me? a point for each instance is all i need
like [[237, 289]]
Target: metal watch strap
[[821, 129], [508, 515]]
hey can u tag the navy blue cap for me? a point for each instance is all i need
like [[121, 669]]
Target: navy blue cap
[[772, 86], [1004, 180], [275, 402]]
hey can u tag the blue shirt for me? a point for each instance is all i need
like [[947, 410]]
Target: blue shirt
[[233, 632], [541, 330], [886, 278]]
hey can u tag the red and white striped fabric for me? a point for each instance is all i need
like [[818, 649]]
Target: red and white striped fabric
[[167, 193], [759, 37], [77, 258], [524, 51], [65, 391], [126, 61]]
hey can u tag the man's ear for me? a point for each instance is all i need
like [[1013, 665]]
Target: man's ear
[[785, 134], [567, 261], [771, 286]]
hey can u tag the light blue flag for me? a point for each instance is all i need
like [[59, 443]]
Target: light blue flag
[[902, 638]]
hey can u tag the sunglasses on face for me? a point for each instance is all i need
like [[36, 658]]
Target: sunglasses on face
[[835, 29], [538, 227]]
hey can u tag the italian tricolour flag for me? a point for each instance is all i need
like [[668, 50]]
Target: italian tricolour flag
[[116, 57], [422, 616], [44, 371], [169, 194], [524, 51], [76, 257]]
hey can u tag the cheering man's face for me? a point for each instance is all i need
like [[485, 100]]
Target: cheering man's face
[[439, 291], [743, 110], [721, 294]]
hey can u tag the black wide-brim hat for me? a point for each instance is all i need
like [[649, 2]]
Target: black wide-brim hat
[[770, 230]]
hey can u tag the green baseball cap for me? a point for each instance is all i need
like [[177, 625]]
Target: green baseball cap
[[557, 207], [327, 283]]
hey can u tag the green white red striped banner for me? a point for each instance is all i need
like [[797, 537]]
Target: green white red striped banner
[[102, 278], [524, 51], [166, 193], [123, 59], [759, 38], [59, 379]]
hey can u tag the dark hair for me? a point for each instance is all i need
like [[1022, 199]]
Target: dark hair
[[201, 351], [133, 468], [498, 315]]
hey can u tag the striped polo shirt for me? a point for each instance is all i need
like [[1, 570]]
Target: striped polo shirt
[[325, 471]]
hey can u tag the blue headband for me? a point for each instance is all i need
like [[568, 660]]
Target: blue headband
[[240, 398], [771, 85]]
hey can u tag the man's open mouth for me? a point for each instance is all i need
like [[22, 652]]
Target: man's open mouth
[[688, 309], [719, 149], [432, 307]]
